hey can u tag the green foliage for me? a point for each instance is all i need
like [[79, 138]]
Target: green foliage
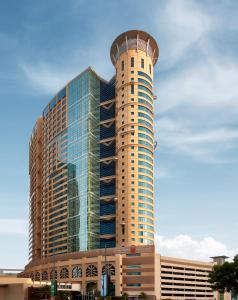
[[125, 296], [97, 294], [64, 295], [43, 291], [142, 295], [225, 277]]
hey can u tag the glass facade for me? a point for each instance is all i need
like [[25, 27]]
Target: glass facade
[[107, 165], [83, 163]]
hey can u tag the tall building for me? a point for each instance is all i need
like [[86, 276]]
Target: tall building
[[91, 157], [92, 184]]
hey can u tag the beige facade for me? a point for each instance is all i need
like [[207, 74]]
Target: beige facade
[[184, 279], [35, 171], [45, 158], [12, 288], [134, 54], [133, 270]]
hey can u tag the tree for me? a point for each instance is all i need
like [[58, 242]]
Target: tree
[[125, 295], [143, 295], [64, 295], [224, 278], [97, 294]]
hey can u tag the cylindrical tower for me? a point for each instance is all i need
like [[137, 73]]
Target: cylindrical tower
[[134, 53]]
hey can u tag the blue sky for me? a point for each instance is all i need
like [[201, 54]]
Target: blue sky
[[45, 43]]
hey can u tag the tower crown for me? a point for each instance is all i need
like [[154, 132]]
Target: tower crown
[[137, 40]]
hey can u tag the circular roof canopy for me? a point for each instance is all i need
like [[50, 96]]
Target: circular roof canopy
[[134, 34]]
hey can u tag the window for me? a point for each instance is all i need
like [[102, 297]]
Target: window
[[133, 284], [123, 228], [150, 68], [142, 63], [145, 82], [108, 269], [122, 65], [91, 271], [132, 62], [141, 87], [132, 89], [64, 273], [145, 75]]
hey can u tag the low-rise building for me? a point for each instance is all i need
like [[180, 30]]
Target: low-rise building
[[133, 270]]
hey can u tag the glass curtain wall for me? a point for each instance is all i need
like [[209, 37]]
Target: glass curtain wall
[[83, 162]]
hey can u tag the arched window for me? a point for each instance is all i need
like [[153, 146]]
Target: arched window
[[91, 271], [76, 272], [44, 275], [64, 273], [37, 276], [108, 269], [53, 274]]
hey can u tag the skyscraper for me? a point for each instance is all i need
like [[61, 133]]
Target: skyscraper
[[92, 158], [92, 185]]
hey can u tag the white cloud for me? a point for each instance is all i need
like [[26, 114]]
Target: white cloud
[[206, 84], [197, 94], [44, 78], [206, 145], [184, 246], [185, 23], [13, 226]]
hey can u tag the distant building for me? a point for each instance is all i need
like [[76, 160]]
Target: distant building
[[10, 272]]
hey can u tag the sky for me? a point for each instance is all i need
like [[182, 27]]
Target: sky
[[44, 44]]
